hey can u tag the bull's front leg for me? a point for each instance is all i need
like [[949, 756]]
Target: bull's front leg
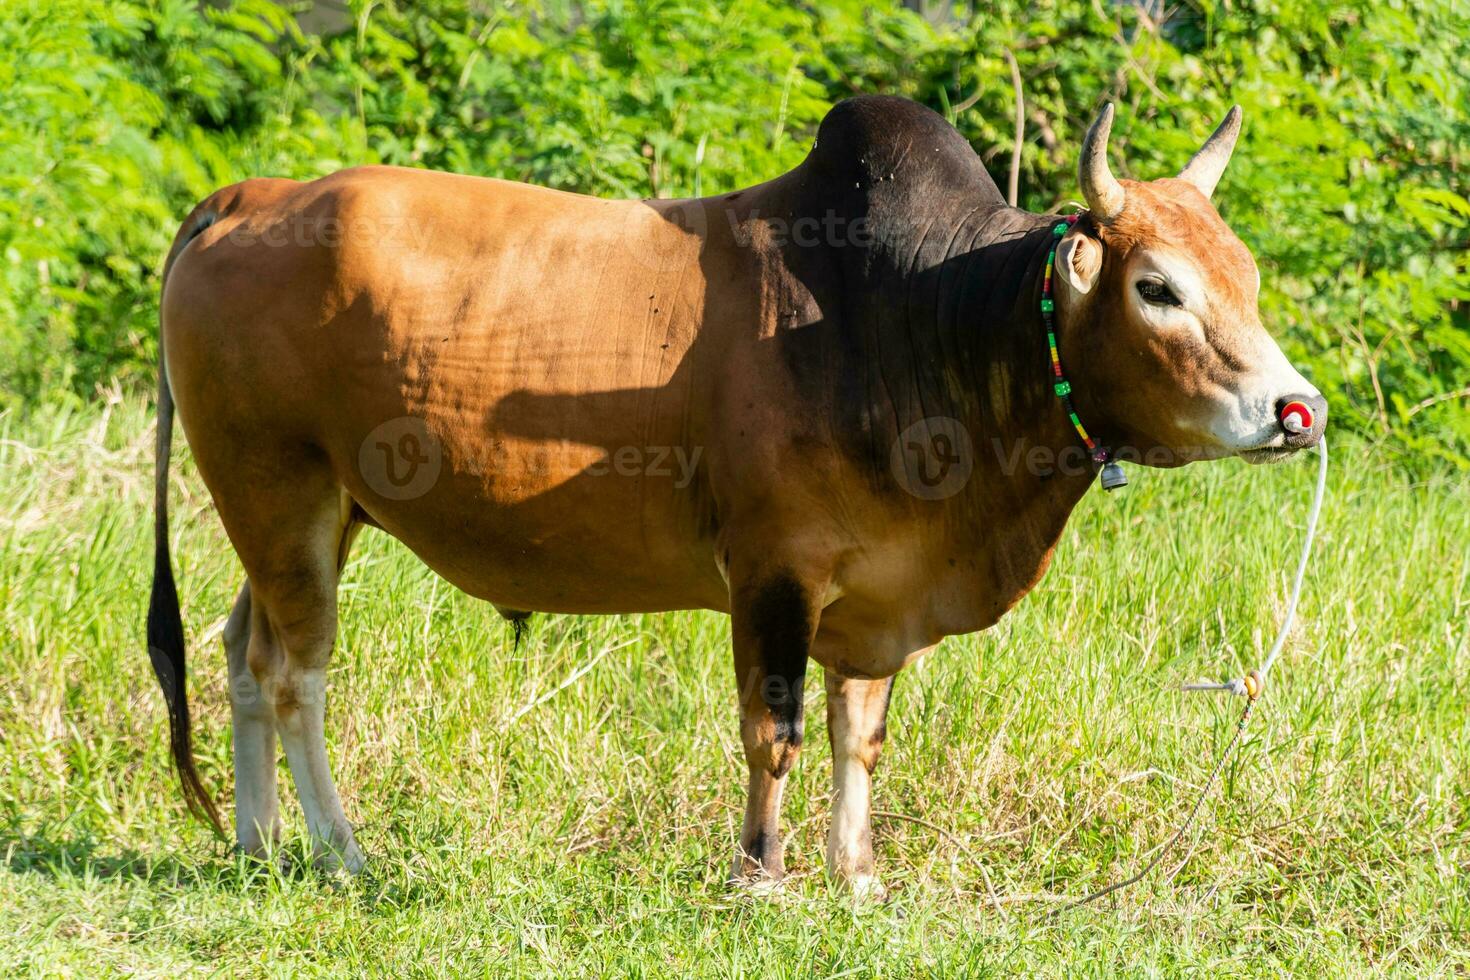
[[857, 712], [774, 616]]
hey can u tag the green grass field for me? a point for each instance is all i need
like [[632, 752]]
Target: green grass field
[[523, 819]]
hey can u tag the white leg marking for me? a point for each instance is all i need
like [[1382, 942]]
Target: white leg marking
[[301, 722], [257, 818], [856, 710]]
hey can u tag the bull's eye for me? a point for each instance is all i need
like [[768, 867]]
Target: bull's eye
[[1154, 291]]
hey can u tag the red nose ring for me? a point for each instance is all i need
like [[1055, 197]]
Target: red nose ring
[[1296, 417]]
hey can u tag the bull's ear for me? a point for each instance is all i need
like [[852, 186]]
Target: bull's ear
[[1079, 261]]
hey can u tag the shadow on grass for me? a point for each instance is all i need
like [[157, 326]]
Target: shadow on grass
[[55, 854], [63, 856]]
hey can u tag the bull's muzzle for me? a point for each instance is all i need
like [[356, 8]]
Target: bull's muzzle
[[1303, 419]]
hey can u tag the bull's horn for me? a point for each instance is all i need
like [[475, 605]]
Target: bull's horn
[[1100, 188], [1204, 168]]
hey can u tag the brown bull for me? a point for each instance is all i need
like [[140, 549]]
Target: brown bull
[[823, 405]]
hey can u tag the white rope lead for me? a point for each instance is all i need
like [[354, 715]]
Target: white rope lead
[[1249, 687], [1241, 686]]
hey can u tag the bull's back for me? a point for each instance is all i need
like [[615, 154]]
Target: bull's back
[[504, 377]]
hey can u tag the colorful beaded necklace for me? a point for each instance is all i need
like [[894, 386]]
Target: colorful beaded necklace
[[1112, 473]]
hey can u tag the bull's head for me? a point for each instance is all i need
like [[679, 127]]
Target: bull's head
[[1158, 318]]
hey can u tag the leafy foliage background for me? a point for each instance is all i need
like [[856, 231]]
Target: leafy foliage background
[[1349, 183]]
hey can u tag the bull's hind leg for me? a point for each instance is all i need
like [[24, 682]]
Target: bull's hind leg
[[257, 819], [300, 709], [305, 623], [293, 539]]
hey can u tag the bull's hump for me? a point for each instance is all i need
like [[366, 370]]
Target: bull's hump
[[875, 139]]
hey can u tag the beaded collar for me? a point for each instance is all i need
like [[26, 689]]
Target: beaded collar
[[1112, 473]]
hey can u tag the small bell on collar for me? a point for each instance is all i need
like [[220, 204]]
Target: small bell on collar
[[1113, 476]]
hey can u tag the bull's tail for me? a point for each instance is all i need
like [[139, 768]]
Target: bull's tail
[[165, 626]]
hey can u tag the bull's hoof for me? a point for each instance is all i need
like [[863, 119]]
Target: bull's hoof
[[262, 856], [346, 861], [753, 878], [757, 885], [864, 888], [759, 866]]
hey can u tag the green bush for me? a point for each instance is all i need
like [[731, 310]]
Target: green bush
[[115, 118], [1348, 184]]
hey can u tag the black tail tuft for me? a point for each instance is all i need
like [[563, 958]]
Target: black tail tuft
[[166, 628]]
